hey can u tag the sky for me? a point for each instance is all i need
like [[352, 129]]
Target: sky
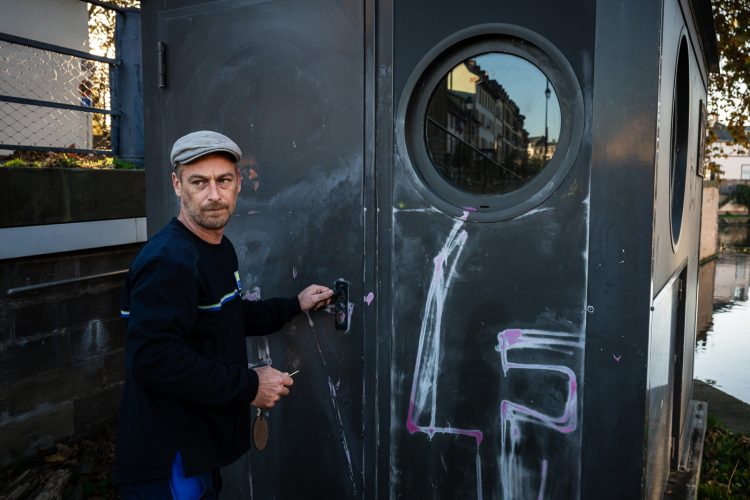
[[525, 84]]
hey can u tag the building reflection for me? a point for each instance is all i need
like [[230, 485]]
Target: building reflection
[[476, 133], [725, 280], [732, 278], [734, 237], [706, 280]]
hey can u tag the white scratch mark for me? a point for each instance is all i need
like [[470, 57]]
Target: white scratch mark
[[340, 424]]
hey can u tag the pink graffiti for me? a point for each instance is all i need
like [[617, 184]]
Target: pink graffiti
[[424, 390], [512, 414], [370, 297], [422, 416]]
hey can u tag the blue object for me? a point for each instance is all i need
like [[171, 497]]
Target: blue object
[[184, 488]]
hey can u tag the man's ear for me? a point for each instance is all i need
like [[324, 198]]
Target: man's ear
[[176, 184], [239, 178]]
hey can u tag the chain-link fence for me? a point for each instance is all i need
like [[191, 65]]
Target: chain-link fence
[[53, 98]]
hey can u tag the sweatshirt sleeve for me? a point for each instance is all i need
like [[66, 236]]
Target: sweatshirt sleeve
[[163, 307], [267, 316]]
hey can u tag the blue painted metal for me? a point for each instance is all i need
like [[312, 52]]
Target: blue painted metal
[[58, 105], [127, 89], [55, 48]]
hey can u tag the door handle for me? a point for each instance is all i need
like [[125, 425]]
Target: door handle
[[340, 301]]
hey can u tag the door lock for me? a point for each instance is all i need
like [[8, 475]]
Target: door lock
[[340, 301]]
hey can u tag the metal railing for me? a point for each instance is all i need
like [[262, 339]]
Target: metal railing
[[48, 95], [54, 98]]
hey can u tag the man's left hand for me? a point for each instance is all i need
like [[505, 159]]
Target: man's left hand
[[314, 297]]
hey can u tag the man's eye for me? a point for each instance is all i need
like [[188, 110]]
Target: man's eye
[[197, 183]]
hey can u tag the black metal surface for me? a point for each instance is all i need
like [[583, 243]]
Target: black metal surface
[[284, 79], [626, 86], [464, 291], [530, 334]]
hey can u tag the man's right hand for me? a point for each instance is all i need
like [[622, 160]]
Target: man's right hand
[[272, 384]]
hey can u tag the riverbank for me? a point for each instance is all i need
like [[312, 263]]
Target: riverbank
[[730, 411]]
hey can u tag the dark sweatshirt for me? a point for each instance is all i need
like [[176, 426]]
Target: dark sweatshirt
[[187, 384]]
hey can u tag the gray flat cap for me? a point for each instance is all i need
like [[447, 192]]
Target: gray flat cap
[[196, 144]]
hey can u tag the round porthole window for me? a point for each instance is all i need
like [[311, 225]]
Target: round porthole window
[[492, 125], [680, 131]]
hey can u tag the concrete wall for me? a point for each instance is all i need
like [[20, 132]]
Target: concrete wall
[[61, 347], [60, 22], [709, 222]]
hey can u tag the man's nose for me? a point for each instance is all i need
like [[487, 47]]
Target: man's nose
[[213, 191]]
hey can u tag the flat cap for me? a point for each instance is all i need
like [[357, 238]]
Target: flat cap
[[196, 144]]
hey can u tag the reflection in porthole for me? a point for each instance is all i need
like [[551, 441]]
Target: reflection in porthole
[[492, 124]]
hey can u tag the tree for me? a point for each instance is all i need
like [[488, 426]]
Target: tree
[[729, 90], [102, 43]]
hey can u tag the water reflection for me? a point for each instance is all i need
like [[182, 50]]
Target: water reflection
[[734, 237], [724, 317]]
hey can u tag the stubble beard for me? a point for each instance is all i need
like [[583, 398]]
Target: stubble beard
[[208, 219]]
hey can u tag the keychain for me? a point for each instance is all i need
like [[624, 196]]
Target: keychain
[[260, 431]]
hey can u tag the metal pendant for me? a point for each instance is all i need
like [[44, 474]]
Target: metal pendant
[[260, 431]]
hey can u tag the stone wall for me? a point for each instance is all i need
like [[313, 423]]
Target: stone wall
[[709, 222], [61, 346]]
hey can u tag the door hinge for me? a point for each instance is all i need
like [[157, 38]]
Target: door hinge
[[161, 61]]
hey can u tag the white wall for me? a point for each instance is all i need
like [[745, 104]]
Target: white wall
[[35, 74], [732, 165], [60, 22]]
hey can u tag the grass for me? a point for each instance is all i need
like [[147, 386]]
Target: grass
[[66, 160], [725, 473]]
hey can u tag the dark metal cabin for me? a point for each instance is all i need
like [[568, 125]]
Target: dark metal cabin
[[512, 191]]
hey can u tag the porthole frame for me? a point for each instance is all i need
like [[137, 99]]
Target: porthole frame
[[412, 111], [679, 136]]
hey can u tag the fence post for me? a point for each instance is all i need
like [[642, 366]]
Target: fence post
[[127, 135]]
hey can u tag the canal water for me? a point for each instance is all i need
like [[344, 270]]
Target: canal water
[[722, 350]]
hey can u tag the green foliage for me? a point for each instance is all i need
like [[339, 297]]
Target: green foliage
[[725, 472], [67, 160], [16, 162], [123, 165], [742, 194], [62, 161], [728, 89]]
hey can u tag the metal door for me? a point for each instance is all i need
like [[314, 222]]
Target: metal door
[[284, 79], [489, 298], [668, 312]]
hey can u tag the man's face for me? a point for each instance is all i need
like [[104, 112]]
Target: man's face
[[208, 189]]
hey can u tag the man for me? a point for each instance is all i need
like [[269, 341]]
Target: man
[[188, 389]]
